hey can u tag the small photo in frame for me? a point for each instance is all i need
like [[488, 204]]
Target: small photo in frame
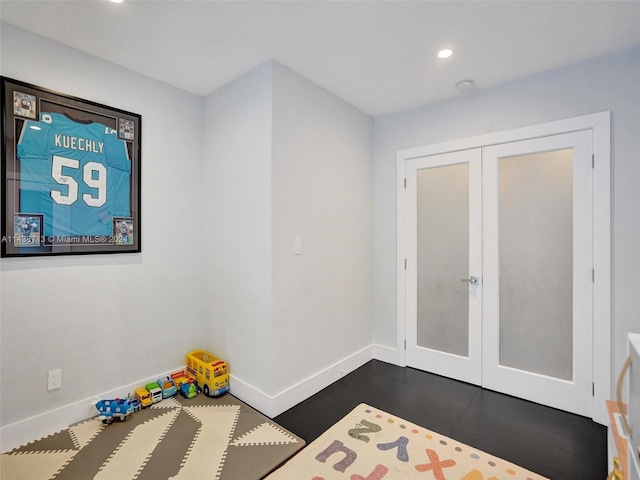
[[127, 129], [24, 104], [123, 231], [27, 230]]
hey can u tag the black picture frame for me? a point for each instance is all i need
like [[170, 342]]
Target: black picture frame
[[70, 174]]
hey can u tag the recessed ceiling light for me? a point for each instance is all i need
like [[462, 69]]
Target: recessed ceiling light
[[445, 53], [116, 1]]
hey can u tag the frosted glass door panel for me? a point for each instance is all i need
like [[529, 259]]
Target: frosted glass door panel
[[536, 263], [538, 270], [444, 246], [443, 258]]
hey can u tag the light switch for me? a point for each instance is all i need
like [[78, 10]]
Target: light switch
[[297, 249]]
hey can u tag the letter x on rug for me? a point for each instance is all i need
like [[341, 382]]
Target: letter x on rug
[[201, 438], [369, 444]]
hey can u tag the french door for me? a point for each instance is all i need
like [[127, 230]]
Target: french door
[[500, 266], [444, 264]]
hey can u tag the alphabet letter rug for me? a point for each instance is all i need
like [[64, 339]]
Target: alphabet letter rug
[[369, 444]]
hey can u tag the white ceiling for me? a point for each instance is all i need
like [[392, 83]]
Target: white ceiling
[[378, 55]]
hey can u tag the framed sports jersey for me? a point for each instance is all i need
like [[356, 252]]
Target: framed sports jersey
[[70, 174]]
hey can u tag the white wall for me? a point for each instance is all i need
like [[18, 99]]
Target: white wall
[[284, 158], [607, 83], [236, 174], [322, 188], [106, 320]]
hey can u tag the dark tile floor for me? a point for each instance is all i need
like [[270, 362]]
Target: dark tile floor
[[556, 444]]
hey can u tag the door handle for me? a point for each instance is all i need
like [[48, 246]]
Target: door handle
[[472, 280]]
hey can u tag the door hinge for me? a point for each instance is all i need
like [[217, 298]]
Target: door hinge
[[405, 263], [405, 343], [593, 275], [593, 160], [405, 183], [593, 389]]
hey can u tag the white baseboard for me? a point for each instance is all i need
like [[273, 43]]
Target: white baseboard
[[273, 405], [47, 423], [388, 355], [25, 431]]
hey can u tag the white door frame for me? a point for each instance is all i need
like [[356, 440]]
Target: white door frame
[[599, 124]]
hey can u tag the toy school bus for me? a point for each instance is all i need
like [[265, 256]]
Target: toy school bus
[[143, 396], [210, 373]]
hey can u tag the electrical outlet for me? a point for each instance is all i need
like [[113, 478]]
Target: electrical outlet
[[55, 379]]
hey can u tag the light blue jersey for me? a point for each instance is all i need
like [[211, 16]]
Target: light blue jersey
[[75, 174]]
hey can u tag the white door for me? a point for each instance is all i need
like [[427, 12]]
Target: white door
[[538, 270], [444, 264], [518, 217]]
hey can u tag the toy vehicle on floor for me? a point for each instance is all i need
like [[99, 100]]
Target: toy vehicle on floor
[[187, 387], [118, 407], [210, 372], [168, 387], [135, 403], [144, 397], [154, 390]]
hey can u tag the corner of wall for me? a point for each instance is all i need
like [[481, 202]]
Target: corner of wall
[[273, 405]]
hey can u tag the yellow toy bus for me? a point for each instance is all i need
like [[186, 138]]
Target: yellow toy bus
[[210, 372], [144, 397]]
